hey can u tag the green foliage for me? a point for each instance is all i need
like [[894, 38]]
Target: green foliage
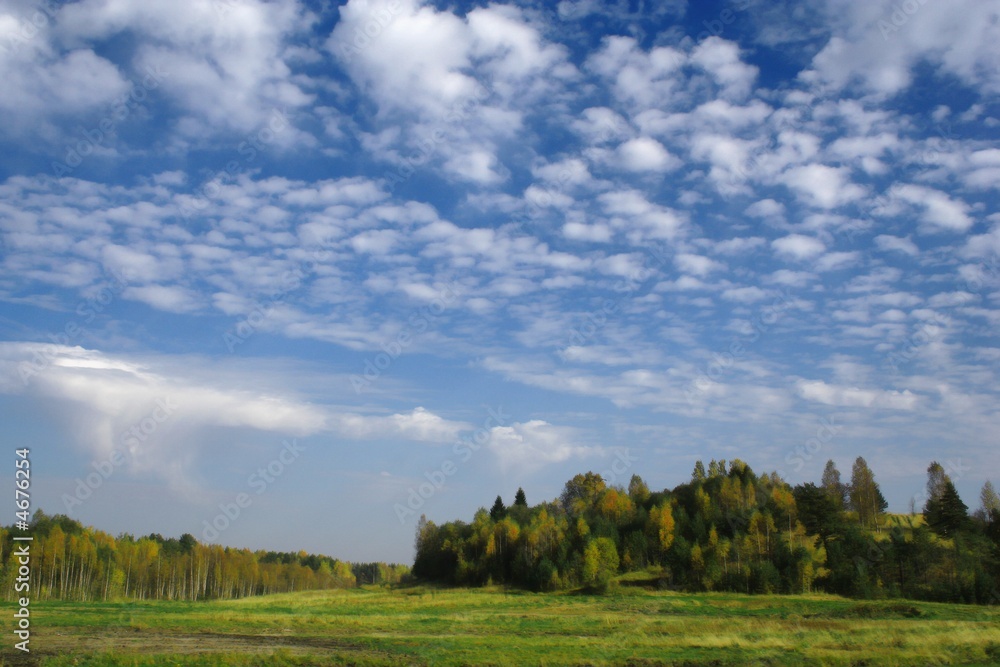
[[74, 562], [729, 530]]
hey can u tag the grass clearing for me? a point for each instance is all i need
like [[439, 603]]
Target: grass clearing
[[430, 626]]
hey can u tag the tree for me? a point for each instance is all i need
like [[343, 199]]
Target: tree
[[698, 474], [989, 513], [947, 514], [519, 499], [581, 492], [600, 562], [498, 511], [936, 478], [866, 497], [661, 523], [637, 490], [834, 488], [817, 510], [989, 502]]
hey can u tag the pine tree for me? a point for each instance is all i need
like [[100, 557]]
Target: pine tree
[[519, 498]]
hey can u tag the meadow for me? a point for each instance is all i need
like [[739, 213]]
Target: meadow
[[635, 624]]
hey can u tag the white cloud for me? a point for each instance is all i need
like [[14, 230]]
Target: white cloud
[[721, 59], [822, 186], [645, 154], [112, 394], [877, 45], [937, 208], [904, 245], [533, 444], [844, 396], [221, 62], [697, 264], [163, 297], [798, 247]]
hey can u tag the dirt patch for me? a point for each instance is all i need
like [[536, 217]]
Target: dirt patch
[[154, 642]]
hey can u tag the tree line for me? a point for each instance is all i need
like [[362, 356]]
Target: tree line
[[73, 562], [729, 529]]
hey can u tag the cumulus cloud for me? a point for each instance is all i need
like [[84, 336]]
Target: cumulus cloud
[[530, 445], [798, 247], [936, 208]]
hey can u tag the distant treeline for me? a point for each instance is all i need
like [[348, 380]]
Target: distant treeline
[[729, 529], [71, 562]]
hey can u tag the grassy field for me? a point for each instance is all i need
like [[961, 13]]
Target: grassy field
[[422, 626]]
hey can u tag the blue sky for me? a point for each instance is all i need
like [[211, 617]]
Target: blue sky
[[412, 255]]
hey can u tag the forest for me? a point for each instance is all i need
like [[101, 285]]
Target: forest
[[73, 562], [729, 529]]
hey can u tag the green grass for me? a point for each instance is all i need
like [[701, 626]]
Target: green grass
[[429, 626]]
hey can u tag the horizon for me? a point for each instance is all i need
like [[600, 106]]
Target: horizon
[[341, 266]]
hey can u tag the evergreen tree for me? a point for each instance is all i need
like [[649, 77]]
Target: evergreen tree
[[817, 510], [947, 514], [498, 511], [519, 498]]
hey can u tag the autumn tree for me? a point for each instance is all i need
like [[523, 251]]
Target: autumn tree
[[581, 492], [865, 496]]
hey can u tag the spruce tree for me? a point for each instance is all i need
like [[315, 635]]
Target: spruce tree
[[947, 515], [498, 511]]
